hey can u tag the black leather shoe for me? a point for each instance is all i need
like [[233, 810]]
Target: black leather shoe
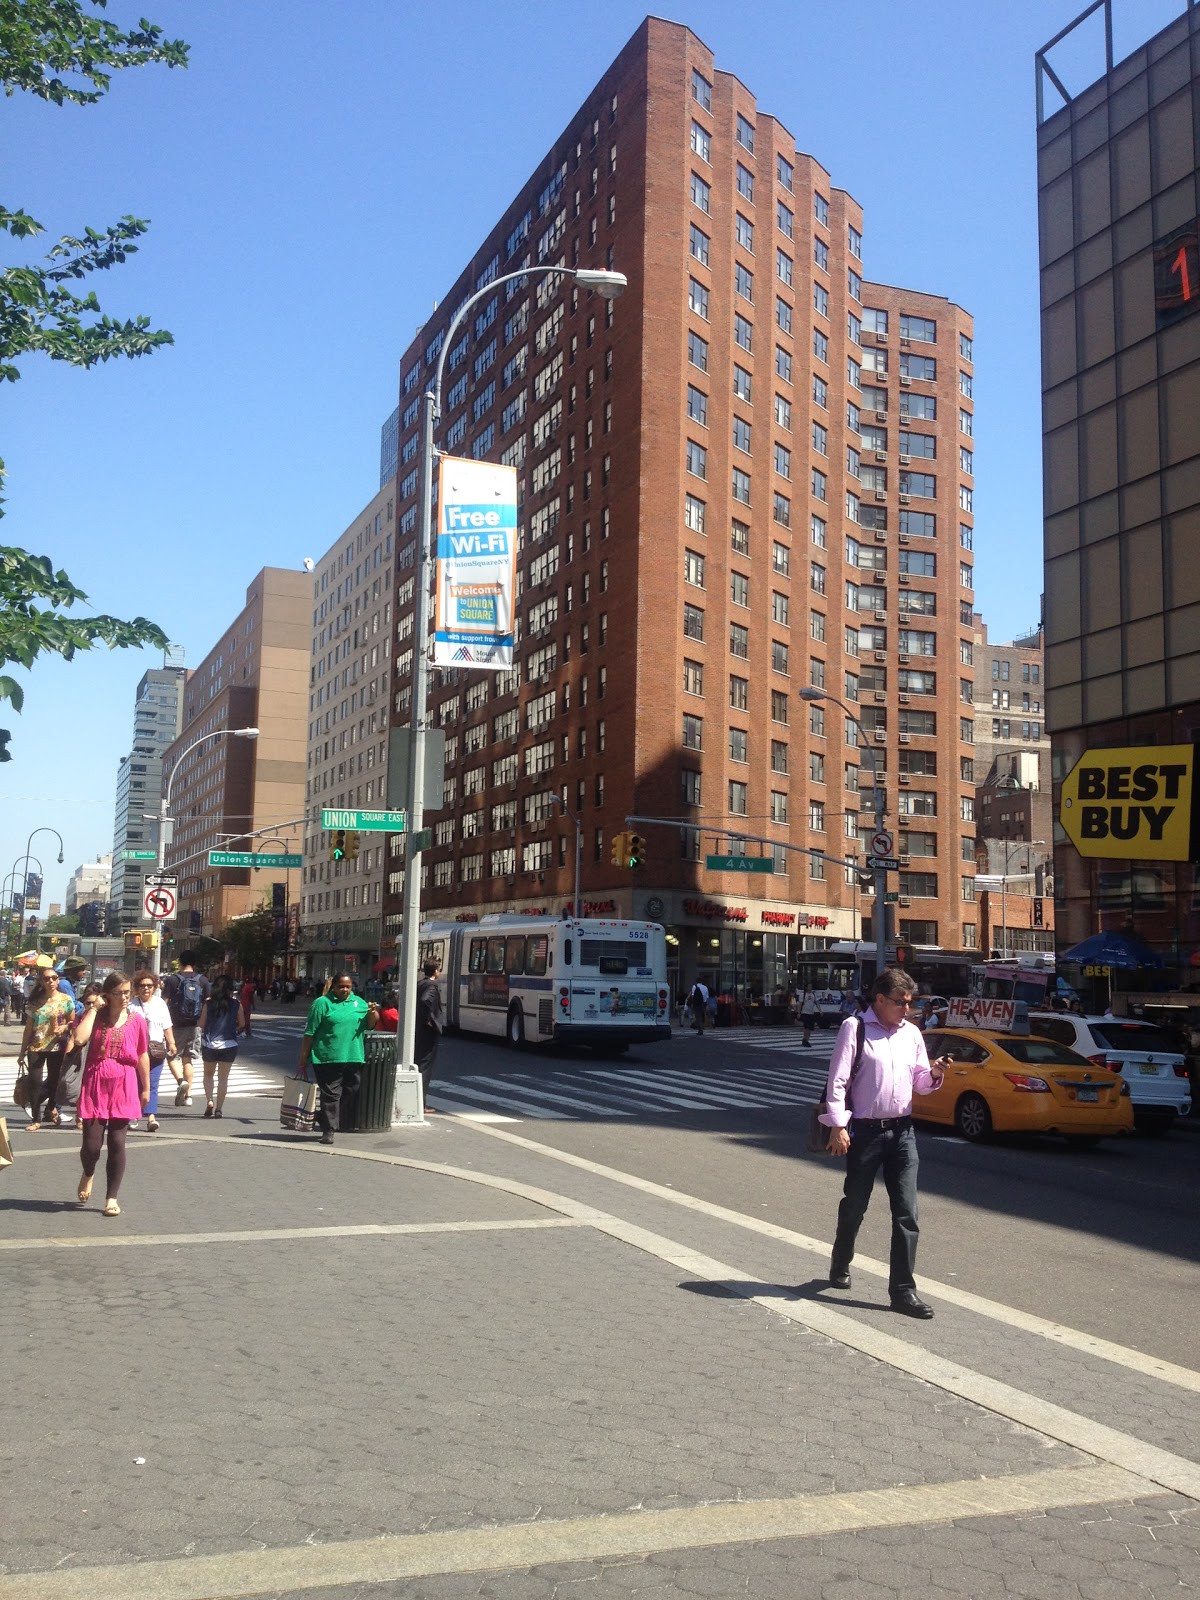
[[326, 1138], [909, 1305], [838, 1280]]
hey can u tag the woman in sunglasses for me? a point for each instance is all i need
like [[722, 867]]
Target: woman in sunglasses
[[148, 1003], [49, 1016]]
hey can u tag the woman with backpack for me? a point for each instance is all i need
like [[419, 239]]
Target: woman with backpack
[[222, 1022], [185, 992]]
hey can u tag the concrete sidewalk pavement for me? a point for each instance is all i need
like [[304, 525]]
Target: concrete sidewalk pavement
[[448, 1361]]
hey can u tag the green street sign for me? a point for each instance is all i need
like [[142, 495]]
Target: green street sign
[[366, 821], [422, 840], [739, 863], [139, 855], [247, 858], [891, 899]]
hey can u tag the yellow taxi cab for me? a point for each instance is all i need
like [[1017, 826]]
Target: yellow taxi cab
[[1015, 1083]]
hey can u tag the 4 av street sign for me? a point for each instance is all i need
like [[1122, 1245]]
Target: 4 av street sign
[[247, 858], [366, 821], [739, 863]]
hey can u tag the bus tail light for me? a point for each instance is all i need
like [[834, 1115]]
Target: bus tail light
[[662, 1000], [564, 999]]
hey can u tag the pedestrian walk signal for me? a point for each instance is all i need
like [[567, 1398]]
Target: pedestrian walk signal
[[637, 850], [337, 850], [351, 846], [620, 849]]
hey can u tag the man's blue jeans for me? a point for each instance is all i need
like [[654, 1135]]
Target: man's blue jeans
[[892, 1146]]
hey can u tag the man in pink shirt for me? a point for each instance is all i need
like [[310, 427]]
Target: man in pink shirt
[[871, 1119]]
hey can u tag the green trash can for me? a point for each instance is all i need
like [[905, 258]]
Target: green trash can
[[370, 1110]]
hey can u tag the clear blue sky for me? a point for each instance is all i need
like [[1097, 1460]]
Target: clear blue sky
[[316, 179]]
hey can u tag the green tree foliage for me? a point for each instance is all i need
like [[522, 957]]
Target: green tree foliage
[[65, 52], [251, 940]]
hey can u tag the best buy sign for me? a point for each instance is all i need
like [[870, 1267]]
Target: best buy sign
[[1132, 804]]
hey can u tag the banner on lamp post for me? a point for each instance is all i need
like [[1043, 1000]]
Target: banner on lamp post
[[475, 565]]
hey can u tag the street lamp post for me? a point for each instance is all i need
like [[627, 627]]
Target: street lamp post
[[164, 810], [1029, 844], [12, 878], [28, 857], [408, 1106], [286, 895], [879, 919], [559, 801]]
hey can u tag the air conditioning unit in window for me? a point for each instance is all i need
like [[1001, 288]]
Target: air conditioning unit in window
[[880, 735], [906, 344], [881, 416], [881, 494], [905, 861], [903, 656], [904, 538], [905, 699], [905, 738], [906, 899], [881, 655], [904, 578], [906, 461], [881, 616], [882, 337], [904, 778], [905, 382], [881, 455], [880, 696], [906, 499], [880, 535]]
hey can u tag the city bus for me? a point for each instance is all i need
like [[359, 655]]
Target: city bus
[[533, 980], [845, 968]]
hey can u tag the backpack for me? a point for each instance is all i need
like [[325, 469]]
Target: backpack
[[189, 996]]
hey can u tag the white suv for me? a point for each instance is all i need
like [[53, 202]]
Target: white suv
[[1150, 1061]]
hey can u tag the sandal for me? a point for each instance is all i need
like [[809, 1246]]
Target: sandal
[[111, 1208], [209, 1109], [84, 1192], [217, 1112]]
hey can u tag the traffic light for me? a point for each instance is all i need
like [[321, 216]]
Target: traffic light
[[904, 955], [620, 849], [133, 941], [637, 850], [352, 847], [337, 850]]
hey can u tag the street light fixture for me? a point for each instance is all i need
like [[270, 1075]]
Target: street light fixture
[[879, 919], [61, 859], [165, 821], [1029, 844], [408, 1101]]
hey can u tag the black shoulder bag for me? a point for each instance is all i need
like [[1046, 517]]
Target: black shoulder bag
[[820, 1133]]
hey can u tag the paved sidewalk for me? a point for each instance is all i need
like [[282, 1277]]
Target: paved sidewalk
[[448, 1362]]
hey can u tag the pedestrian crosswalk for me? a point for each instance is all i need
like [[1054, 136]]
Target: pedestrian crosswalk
[[668, 1085]]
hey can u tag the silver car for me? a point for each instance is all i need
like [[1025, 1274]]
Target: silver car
[[1150, 1061]]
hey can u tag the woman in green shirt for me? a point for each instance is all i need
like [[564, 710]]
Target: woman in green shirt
[[333, 1047]]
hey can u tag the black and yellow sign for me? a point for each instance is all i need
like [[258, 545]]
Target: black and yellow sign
[[1131, 804]]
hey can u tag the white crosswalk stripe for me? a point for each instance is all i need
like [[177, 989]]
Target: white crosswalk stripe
[[705, 1084], [245, 1082]]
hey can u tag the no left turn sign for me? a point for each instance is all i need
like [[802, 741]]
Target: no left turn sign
[[881, 843], [159, 903]]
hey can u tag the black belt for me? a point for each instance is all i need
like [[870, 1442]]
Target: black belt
[[882, 1122]]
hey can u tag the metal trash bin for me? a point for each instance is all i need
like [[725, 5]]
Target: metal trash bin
[[370, 1110]]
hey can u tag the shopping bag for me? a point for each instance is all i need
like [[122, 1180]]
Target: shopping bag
[[6, 1155], [298, 1108]]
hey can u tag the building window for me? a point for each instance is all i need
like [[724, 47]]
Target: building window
[[701, 142], [921, 329], [743, 281], [741, 384], [698, 298], [697, 459], [738, 745], [739, 693], [783, 315], [779, 706], [739, 589], [740, 537], [693, 622], [739, 641], [743, 230], [741, 434], [743, 333], [698, 244], [701, 90], [701, 193], [693, 677], [779, 657], [691, 787], [737, 799], [693, 568], [816, 766], [693, 513], [697, 406], [741, 486], [745, 134], [693, 730], [783, 364], [779, 608], [745, 182], [784, 172]]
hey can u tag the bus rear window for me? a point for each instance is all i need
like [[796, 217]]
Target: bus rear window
[[613, 957]]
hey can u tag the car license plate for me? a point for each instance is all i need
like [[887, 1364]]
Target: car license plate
[[1088, 1094], [1150, 1068]]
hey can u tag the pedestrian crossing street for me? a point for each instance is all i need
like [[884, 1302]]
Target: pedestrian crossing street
[[688, 1077]]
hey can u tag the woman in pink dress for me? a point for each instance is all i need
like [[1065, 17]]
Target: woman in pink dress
[[115, 1087]]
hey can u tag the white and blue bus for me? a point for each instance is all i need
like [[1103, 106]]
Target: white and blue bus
[[591, 981]]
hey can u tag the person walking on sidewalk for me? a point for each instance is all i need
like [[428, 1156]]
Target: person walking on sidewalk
[[333, 1046], [430, 1022], [50, 1017], [873, 1128], [698, 1000], [222, 1022], [116, 1084], [810, 1013], [147, 1002], [185, 992]]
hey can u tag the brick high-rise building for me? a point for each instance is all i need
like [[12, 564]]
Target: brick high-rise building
[[750, 474], [241, 794]]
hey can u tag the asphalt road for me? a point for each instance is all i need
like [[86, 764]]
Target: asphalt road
[[1105, 1240]]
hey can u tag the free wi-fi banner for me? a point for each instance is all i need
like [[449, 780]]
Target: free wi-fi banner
[[476, 565]]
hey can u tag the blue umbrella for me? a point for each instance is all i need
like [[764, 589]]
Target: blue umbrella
[[1113, 950]]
